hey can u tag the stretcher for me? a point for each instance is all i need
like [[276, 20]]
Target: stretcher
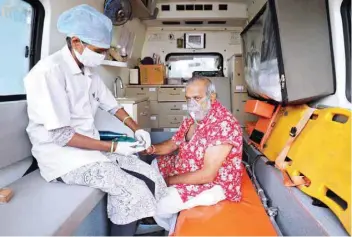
[[297, 215], [246, 218], [281, 131], [322, 154], [318, 160]]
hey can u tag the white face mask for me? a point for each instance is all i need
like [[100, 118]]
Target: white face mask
[[90, 58], [198, 110]]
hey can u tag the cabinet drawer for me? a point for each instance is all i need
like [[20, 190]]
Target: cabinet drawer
[[170, 121], [143, 114], [154, 121], [171, 94], [174, 108], [151, 92], [239, 101], [154, 107]]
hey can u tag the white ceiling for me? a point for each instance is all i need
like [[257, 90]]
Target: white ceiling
[[229, 23], [234, 16]]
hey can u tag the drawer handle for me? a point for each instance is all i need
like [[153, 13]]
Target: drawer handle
[[141, 93], [176, 109], [144, 114], [175, 94], [175, 123]]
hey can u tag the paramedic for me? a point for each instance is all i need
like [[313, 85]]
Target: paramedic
[[64, 92], [207, 168]]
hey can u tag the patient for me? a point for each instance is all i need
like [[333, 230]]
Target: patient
[[207, 168]]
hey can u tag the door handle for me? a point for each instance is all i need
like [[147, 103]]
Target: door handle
[[26, 52]]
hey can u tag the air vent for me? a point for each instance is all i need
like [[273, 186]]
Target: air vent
[[222, 7], [189, 7], [198, 7], [208, 7], [171, 23], [180, 7], [165, 8], [216, 22], [194, 22]]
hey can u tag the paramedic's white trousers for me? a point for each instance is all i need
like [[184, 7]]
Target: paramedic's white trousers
[[171, 204]]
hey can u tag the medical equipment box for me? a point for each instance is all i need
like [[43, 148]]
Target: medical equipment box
[[287, 52], [152, 74]]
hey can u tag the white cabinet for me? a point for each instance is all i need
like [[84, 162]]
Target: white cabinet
[[239, 90], [137, 108], [167, 103]]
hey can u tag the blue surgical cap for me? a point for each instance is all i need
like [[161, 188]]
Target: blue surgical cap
[[87, 24]]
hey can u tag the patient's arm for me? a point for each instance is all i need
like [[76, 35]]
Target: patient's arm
[[214, 157], [163, 148]]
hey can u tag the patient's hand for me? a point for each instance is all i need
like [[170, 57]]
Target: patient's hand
[[144, 153], [150, 150]]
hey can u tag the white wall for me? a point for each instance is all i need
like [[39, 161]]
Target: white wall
[[339, 98], [253, 7], [109, 73], [217, 40]]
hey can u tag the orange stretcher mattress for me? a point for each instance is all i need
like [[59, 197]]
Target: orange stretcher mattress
[[245, 218]]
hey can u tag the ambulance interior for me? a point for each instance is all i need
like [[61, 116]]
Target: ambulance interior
[[282, 67]]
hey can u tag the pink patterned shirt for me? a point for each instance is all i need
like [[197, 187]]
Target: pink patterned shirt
[[218, 127]]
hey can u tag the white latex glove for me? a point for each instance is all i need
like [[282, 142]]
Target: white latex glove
[[142, 135], [128, 148]]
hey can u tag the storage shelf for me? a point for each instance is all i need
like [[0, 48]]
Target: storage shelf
[[114, 63]]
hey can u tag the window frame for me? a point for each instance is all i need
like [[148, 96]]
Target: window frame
[[346, 25], [36, 43], [221, 57]]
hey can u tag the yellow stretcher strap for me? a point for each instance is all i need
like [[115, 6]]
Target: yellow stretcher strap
[[281, 162]]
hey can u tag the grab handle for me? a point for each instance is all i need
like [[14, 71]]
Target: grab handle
[[340, 115]]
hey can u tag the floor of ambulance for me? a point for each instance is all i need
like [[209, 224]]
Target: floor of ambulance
[[223, 219]]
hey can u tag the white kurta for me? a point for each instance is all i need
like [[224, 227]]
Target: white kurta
[[59, 95]]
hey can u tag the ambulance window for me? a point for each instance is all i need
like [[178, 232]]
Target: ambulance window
[[21, 24], [346, 21], [182, 65]]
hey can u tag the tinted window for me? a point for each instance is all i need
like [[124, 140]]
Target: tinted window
[[18, 45]]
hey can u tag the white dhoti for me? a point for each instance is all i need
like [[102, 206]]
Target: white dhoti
[[170, 205]]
